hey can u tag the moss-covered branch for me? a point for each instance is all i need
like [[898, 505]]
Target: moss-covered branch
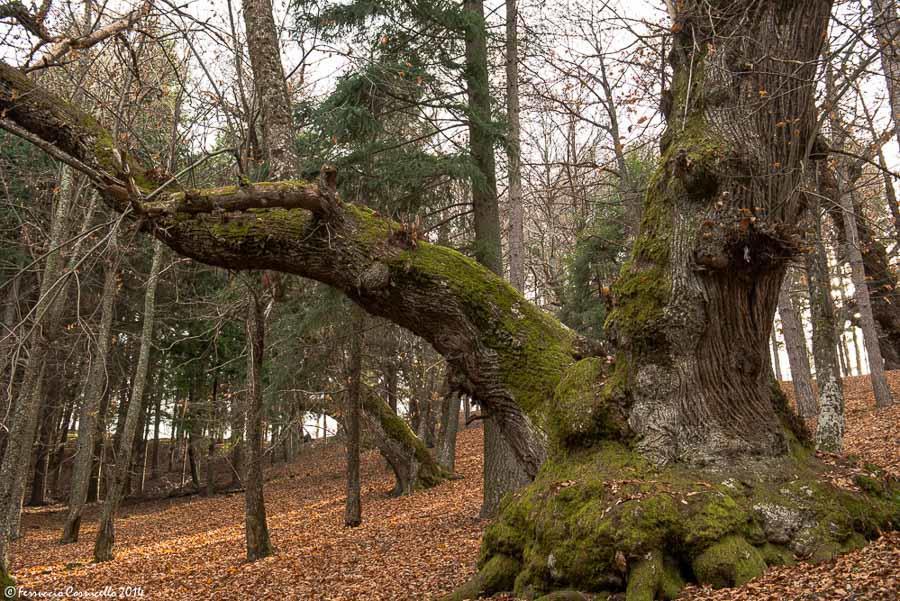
[[413, 465], [512, 353]]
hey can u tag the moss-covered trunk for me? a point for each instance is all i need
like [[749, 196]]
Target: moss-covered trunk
[[695, 303], [623, 492], [413, 466]]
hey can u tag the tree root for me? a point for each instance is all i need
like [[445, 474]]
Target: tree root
[[605, 521]]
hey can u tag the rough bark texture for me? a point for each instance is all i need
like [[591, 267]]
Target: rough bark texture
[[271, 88], [257, 531], [445, 453], [23, 422], [516, 238], [694, 308], [353, 506], [798, 356], [830, 423], [863, 303], [90, 404], [106, 533], [695, 302], [503, 471]]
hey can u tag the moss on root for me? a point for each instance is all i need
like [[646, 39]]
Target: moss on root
[[731, 561], [604, 519]]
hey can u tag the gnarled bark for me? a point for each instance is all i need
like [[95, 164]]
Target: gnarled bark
[[693, 311]]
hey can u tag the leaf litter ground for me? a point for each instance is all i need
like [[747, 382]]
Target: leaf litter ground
[[416, 547]]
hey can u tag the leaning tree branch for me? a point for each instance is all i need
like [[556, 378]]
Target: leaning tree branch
[[511, 352]]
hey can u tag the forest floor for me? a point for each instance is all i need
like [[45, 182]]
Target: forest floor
[[415, 547]]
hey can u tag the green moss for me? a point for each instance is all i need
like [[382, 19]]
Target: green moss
[[716, 515], [870, 485], [854, 542], [776, 555], [670, 581], [579, 414], [568, 596], [499, 574], [395, 427], [533, 348], [7, 582], [643, 580], [729, 562]]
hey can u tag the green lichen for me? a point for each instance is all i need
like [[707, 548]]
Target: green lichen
[[730, 562]]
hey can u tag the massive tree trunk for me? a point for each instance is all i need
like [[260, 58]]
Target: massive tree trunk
[[685, 445], [106, 534]]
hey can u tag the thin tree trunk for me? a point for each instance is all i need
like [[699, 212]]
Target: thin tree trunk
[[97, 388], [59, 448], [798, 357], [157, 419], [861, 291], [830, 423], [776, 357], [49, 418], [14, 466], [503, 472], [513, 151], [353, 507], [103, 546], [446, 446], [257, 531], [887, 31]]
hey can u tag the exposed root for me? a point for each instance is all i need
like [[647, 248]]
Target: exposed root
[[605, 521]]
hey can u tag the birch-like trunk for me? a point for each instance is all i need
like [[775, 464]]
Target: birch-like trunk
[[830, 423]]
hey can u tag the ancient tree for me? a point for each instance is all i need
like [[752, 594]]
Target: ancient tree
[[678, 443]]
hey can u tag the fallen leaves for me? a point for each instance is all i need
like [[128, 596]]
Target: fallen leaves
[[416, 547]]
